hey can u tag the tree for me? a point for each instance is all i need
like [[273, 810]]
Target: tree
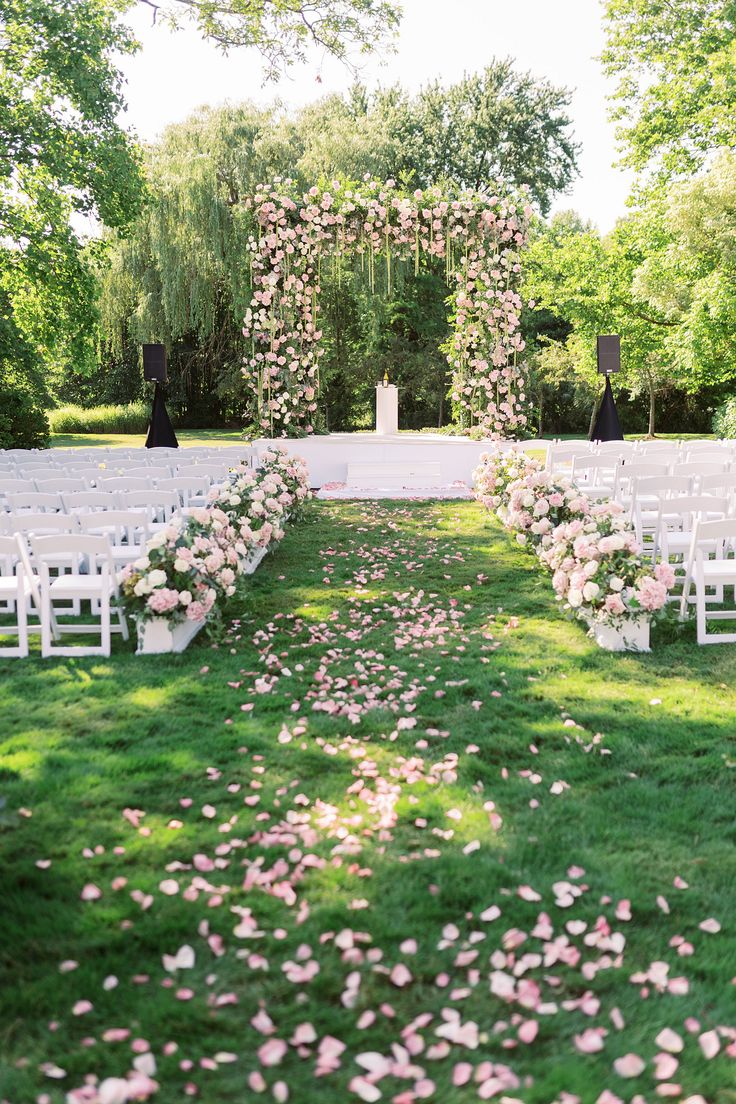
[[283, 30], [496, 128], [690, 278], [589, 281], [675, 62], [63, 154]]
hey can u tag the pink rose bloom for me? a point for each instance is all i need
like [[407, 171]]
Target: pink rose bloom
[[195, 611], [163, 599], [614, 604], [556, 499], [559, 582], [651, 594], [665, 573]]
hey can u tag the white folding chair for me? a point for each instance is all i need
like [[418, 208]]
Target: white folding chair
[[647, 493], [127, 531], [117, 483], [191, 491], [82, 502], [676, 521], [560, 457], [713, 568], [35, 473], [160, 506], [215, 471], [628, 471], [63, 483], [695, 471], [595, 475], [86, 573], [14, 486], [720, 483], [34, 502], [42, 523], [150, 472], [15, 592]]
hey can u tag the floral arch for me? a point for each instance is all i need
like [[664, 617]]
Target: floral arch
[[479, 236]]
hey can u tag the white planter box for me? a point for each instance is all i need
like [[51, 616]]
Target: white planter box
[[255, 558], [631, 637], [159, 635]]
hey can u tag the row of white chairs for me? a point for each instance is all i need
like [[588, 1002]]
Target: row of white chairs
[[64, 571], [69, 497], [188, 485]]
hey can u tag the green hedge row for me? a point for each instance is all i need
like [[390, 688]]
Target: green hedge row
[[130, 418]]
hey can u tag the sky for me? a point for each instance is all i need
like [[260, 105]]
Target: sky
[[439, 39]]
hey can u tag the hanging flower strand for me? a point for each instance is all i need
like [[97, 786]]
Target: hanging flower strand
[[480, 237]]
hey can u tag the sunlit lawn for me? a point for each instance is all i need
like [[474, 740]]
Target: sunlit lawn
[[612, 773], [186, 437]]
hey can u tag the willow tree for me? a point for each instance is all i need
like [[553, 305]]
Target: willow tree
[[182, 275]]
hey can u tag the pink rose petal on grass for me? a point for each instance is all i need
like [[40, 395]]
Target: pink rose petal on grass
[[629, 1065], [711, 926], [461, 1074], [401, 975], [590, 1041], [710, 1044], [669, 1040], [365, 1089], [271, 1052], [665, 1066], [91, 892], [82, 1007], [528, 1031]]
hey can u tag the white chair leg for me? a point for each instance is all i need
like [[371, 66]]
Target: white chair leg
[[105, 625], [46, 616], [22, 625]]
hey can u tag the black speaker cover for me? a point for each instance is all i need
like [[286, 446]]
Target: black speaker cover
[[154, 363], [160, 430], [609, 354], [607, 426]]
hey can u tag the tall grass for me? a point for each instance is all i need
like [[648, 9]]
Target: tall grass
[[128, 418]]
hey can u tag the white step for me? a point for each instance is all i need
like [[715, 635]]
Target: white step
[[397, 474]]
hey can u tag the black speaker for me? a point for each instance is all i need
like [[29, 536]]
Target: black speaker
[[154, 363], [609, 354]]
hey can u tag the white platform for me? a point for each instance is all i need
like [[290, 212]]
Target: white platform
[[452, 459]]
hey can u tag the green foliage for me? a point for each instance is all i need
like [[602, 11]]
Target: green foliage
[[689, 274], [283, 30], [130, 418], [23, 423], [676, 69], [589, 281], [63, 153], [724, 419]]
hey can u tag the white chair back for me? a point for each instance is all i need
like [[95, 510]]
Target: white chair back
[[34, 502]]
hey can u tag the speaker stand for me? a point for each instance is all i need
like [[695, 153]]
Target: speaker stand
[[607, 426], [160, 430]]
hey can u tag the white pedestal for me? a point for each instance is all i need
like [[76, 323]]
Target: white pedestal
[[387, 409]]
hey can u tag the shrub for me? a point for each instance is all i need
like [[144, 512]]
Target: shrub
[[129, 418], [724, 419], [23, 423]]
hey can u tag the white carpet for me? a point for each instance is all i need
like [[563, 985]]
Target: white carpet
[[342, 490]]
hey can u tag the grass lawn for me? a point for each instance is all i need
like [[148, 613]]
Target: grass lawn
[[408, 818], [190, 437]]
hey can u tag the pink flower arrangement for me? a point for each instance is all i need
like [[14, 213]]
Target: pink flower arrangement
[[191, 567], [478, 235], [589, 548]]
